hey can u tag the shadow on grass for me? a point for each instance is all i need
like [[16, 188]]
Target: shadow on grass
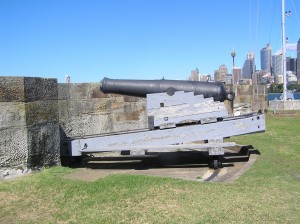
[[178, 159]]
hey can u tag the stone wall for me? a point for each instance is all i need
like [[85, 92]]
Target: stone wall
[[29, 126], [250, 98], [85, 111], [284, 105]]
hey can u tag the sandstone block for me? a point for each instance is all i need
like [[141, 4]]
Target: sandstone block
[[11, 89], [40, 89], [13, 147], [39, 112], [43, 145], [12, 114]]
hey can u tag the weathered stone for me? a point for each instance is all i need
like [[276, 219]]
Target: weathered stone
[[16, 171], [29, 127], [62, 110], [12, 114], [285, 105], [64, 91], [13, 147], [133, 99], [43, 145], [88, 111], [259, 90], [39, 112], [246, 98], [86, 125], [11, 89], [78, 91], [40, 89], [244, 90]]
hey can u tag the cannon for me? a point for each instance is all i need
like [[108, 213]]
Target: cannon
[[141, 88], [186, 115]]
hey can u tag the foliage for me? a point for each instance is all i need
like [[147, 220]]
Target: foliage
[[278, 88], [268, 193], [294, 87]]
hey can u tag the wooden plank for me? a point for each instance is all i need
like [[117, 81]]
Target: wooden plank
[[157, 147], [179, 135], [158, 100], [187, 109], [187, 112], [167, 111], [188, 119]]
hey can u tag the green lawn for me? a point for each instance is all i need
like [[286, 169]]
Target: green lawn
[[268, 193]]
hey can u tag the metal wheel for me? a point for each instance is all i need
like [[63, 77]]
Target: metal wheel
[[216, 164]]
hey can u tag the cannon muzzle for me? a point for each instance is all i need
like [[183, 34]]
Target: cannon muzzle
[[141, 88]]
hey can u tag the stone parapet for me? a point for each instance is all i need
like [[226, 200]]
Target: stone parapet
[[12, 89], [29, 127], [250, 98], [85, 110], [284, 105]]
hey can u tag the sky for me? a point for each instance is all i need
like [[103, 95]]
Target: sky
[[137, 39]]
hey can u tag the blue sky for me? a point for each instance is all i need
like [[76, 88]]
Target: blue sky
[[136, 39]]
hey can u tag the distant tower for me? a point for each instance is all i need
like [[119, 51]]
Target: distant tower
[[298, 60], [266, 59], [233, 55]]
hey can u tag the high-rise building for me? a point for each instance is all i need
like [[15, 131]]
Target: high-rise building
[[257, 77], [194, 75], [204, 78], [266, 59], [291, 65], [249, 66], [277, 66], [220, 75], [298, 60], [291, 78], [236, 75]]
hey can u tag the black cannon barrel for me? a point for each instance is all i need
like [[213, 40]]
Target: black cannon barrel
[[143, 87]]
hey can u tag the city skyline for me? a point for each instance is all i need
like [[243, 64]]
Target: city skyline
[[89, 40]]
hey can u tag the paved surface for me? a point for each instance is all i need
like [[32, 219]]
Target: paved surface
[[192, 165]]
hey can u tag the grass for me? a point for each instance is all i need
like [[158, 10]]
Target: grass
[[268, 193]]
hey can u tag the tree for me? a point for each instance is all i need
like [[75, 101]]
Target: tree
[[276, 88], [294, 87]]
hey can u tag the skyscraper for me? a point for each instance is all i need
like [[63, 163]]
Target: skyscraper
[[277, 65], [249, 66], [266, 59], [298, 60], [291, 64], [236, 75], [220, 75], [194, 75]]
